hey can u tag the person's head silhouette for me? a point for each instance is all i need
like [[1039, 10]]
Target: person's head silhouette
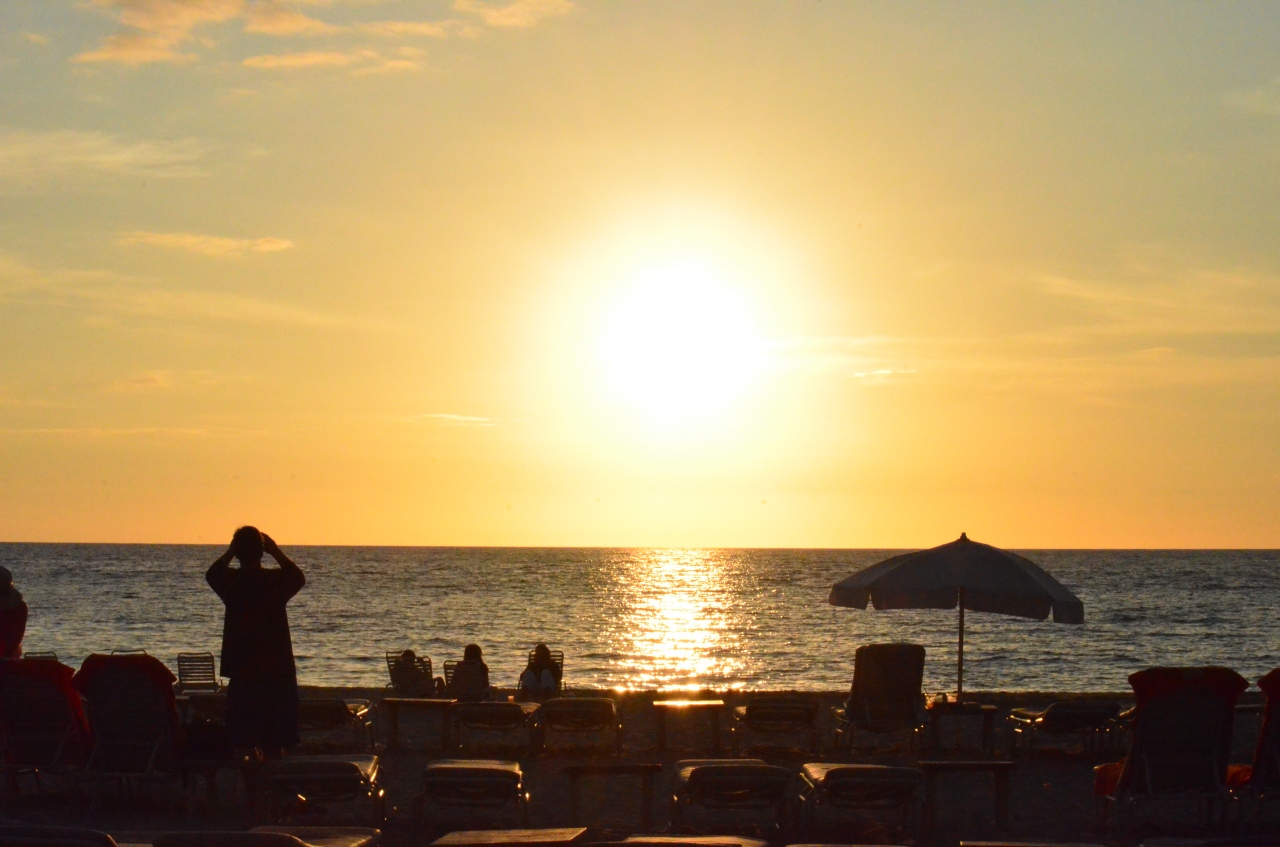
[[542, 656], [247, 542], [471, 653]]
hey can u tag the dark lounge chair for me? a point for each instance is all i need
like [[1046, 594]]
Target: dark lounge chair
[[302, 787], [729, 796], [411, 676], [769, 722], [133, 717], [1091, 721], [53, 836], [557, 659], [45, 727], [325, 716], [489, 727], [465, 686], [472, 793], [578, 724], [1179, 745], [196, 672], [272, 836], [831, 795], [1260, 783], [886, 695]]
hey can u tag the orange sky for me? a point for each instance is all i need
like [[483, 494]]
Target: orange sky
[[595, 273]]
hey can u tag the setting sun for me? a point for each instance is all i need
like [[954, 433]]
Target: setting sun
[[678, 344]]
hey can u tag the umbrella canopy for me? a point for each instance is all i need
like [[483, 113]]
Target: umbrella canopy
[[962, 574]]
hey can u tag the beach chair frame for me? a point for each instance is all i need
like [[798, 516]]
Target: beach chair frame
[[465, 792], [557, 659], [843, 790], [331, 714], [886, 694], [775, 718], [499, 726], [45, 728], [584, 718], [197, 672], [729, 797], [291, 785], [421, 663], [1093, 722]]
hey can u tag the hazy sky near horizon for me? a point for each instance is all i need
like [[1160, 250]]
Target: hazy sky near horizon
[[623, 272]]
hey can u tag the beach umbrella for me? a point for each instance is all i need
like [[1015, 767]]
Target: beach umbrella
[[962, 574]]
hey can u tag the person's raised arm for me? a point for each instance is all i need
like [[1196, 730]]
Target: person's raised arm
[[296, 578], [220, 571]]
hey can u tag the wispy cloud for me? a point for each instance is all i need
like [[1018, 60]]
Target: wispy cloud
[[427, 29], [207, 245], [275, 18], [520, 13], [156, 29], [29, 159], [142, 383], [34, 38], [1262, 100], [361, 62], [460, 420]]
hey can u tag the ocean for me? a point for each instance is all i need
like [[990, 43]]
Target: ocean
[[667, 619]]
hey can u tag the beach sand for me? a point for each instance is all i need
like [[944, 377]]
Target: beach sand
[[1052, 798]]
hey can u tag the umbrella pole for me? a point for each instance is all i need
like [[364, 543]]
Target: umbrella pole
[[960, 655]]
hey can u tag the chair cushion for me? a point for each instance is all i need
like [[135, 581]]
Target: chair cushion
[[214, 838], [330, 765], [327, 836], [819, 772], [475, 768]]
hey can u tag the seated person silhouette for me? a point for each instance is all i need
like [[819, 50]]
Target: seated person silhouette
[[409, 678], [541, 680], [470, 677]]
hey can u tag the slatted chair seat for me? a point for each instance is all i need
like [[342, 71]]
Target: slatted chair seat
[[196, 672], [410, 676], [886, 694]]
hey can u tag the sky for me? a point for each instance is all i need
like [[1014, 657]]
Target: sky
[[633, 273]]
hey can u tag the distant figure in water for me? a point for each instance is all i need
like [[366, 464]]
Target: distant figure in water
[[471, 676], [257, 653], [541, 680], [13, 617]]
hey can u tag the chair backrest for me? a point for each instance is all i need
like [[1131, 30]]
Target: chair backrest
[[44, 721], [226, 839], [196, 672], [466, 681], [1181, 730], [579, 713], [53, 836], [410, 676], [1266, 760], [557, 659], [1072, 716], [321, 713], [793, 711], [887, 684], [488, 715], [132, 713], [475, 783], [738, 785]]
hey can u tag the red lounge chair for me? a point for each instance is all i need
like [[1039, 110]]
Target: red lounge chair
[[45, 727], [1181, 739], [132, 714], [1261, 782]]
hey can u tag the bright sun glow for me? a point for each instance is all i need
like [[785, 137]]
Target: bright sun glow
[[679, 343]]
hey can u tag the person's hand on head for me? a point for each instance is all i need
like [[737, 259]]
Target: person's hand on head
[[269, 545]]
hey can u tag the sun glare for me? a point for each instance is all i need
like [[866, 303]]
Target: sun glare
[[679, 344]]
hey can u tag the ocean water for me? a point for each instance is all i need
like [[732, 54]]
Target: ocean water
[[637, 618]]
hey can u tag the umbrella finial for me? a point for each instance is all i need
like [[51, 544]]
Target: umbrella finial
[[964, 537]]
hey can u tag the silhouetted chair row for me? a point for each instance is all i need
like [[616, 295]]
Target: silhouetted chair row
[[266, 836]]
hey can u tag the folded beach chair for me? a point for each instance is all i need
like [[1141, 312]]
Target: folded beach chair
[[557, 658], [770, 722], [410, 676], [132, 715], [834, 795], [326, 716], [307, 787], [53, 836], [886, 694], [1092, 721], [472, 794], [1179, 744], [1260, 783], [43, 719], [273, 836], [578, 724], [489, 727], [729, 796], [196, 672]]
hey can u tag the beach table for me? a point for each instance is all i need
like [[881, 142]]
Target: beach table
[[711, 708], [646, 772], [501, 837], [392, 706], [939, 709], [1001, 770]]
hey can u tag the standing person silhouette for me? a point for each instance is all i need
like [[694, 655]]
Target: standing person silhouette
[[13, 617], [257, 653]]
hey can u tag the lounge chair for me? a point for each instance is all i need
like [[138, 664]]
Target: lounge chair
[[410, 676], [771, 721], [728, 796], [542, 837], [1092, 721], [272, 836], [301, 787], [328, 715], [132, 714], [1260, 783], [472, 793], [557, 659], [886, 694], [692, 841], [577, 724], [832, 794], [1180, 742], [489, 727], [45, 727], [196, 672], [53, 836]]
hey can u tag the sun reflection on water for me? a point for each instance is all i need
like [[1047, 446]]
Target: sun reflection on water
[[680, 623]]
